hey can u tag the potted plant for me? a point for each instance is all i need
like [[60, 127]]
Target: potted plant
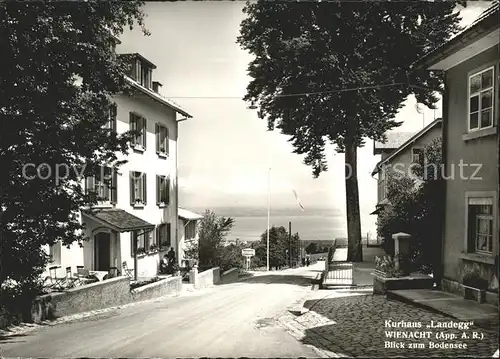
[[385, 267], [474, 286], [153, 247], [140, 250]]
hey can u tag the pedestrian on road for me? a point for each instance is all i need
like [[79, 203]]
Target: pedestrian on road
[[308, 262]]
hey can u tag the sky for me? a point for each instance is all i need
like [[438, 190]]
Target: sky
[[225, 151]]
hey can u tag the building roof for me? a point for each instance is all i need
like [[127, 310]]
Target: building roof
[[485, 24], [118, 219], [407, 143], [140, 57], [157, 97], [394, 140], [188, 215]]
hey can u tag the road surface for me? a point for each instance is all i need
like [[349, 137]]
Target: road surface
[[234, 320]]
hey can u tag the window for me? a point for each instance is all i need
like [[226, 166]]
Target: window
[[138, 125], [480, 225], [190, 230], [417, 155], [55, 253], [111, 124], [138, 188], [382, 185], [163, 235], [140, 242], [481, 97], [143, 74], [161, 139], [162, 190], [103, 185]]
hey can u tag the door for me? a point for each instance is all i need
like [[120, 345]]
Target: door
[[102, 251]]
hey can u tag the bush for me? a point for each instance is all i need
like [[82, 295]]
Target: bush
[[416, 209]]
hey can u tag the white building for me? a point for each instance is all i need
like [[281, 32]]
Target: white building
[[138, 210]]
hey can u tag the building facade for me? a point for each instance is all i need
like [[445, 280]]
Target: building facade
[[470, 62], [136, 220]]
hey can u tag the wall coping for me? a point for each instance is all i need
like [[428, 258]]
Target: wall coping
[[209, 270], [231, 271], [84, 287], [400, 235], [154, 284]]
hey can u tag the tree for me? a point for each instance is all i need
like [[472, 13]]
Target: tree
[[312, 248], [212, 234], [322, 75], [53, 126], [279, 247]]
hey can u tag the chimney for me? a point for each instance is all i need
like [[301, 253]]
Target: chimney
[[157, 86]]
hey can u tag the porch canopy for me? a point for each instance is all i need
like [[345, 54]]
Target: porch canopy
[[118, 220]]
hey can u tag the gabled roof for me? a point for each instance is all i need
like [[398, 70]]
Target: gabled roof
[[157, 97], [407, 143], [394, 140], [485, 24], [188, 215]]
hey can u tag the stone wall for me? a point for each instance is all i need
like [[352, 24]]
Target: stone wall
[[94, 296], [207, 278], [230, 276], [168, 286]]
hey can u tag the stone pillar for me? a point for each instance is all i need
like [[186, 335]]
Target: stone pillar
[[193, 275], [402, 252]]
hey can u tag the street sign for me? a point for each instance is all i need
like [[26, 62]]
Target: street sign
[[248, 252]]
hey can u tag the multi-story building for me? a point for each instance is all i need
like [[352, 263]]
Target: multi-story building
[[136, 220], [471, 148]]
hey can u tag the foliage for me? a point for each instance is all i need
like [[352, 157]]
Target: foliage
[[321, 75], [50, 119], [314, 247], [387, 265], [416, 205], [211, 250], [135, 285], [279, 248]]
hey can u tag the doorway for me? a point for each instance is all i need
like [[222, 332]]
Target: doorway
[[102, 246]]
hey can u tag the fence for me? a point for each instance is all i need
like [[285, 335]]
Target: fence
[[337, 273]]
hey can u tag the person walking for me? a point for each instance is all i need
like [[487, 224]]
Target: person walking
[[308, 262]]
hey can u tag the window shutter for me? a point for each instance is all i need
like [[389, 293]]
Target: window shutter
[[144, 132], [131, 177], [144, 189], [158, 191], [113, 116], [132, 127], [157, 136], [166, 141], [114, 186], [133, 243], [168, 235], [167, 180]]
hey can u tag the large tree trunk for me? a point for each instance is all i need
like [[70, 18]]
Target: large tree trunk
[[354, 247]]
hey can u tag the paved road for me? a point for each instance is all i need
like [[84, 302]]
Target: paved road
[[225, 321]]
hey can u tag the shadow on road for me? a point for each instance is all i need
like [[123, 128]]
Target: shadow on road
[[294, 279], [11, 338]]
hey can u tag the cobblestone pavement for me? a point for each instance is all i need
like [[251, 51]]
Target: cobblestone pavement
[[355, 326]]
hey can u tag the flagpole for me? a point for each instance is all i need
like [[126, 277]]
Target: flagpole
[[268, 217]]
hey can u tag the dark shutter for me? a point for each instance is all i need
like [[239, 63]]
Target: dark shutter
[[158, 190], [168, 235], [144, 132], [114, 186], [133, 127], [167, 180], [144, 188], [166, 141], [131, 178], [113, 117], [157, 136]]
